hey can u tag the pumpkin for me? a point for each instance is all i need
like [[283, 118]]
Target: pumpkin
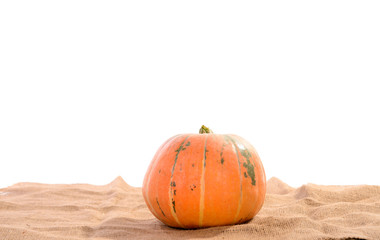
[[203, 180]]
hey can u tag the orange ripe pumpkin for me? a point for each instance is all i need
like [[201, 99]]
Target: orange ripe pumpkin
[[204, 180]]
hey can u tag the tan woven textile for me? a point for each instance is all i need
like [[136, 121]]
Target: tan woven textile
[[118, 211]]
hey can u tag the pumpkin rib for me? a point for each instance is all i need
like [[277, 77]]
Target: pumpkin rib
[[147, 184], [171, 199], [252, 175], [261, 178], [262, 181], [202, 195], [240, 176]]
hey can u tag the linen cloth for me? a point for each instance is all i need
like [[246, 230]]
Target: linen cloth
[[117, 211]]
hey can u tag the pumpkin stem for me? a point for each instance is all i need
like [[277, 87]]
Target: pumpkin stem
[[205, 129]]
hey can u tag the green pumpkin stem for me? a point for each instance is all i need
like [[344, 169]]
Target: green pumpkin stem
[[205, 129]]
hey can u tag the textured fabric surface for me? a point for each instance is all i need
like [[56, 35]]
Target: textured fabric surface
[[118, 211]]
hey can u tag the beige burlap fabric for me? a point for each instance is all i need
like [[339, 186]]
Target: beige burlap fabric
[[117, 211]]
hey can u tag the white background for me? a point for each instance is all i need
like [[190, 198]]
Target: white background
[[90, 89]]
